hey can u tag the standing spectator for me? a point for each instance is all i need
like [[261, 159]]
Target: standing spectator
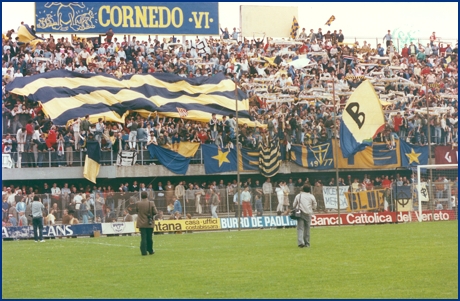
[[55, 194], [76, 133], [387, 38], [318, 194], [199, 193], [179, 190], [5, 208], [286, 196], [246, 202], [225, 33], [21, 138], [432, 38], [236, 204], [99, 202], [214, 203], [214, 125], [280, 195], [21, 206], [77, 201], [267, 190], [190, 197], [235, 34], [169, 193], [68, 142], [85, 124], [146, 212], [132, 126], [37, 214], [100, 126], [340, 37], [397, 122], [109, 34], [307, 203]]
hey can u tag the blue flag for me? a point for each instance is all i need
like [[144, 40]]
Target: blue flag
[[249, 159], [413, 155], [173, 161], [383, 155], [321, 156], [218, 160]]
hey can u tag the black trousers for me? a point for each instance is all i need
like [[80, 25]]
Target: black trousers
[[146, 240], [38, 225]]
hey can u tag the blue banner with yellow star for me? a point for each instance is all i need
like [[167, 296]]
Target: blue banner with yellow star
[[218, 160], [413, 155]]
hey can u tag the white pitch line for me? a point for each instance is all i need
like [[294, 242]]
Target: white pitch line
[[98, 243]]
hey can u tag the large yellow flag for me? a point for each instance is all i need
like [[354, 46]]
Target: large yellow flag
[[362, 120]]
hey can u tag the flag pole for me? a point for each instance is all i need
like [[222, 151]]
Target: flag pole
[[428, 121], [237, 156], [336, 152]]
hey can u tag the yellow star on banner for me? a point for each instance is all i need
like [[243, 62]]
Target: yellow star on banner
[[413, 156], [221, 157]]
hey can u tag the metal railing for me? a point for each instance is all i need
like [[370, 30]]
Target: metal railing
[[51, 158], [109, 206]]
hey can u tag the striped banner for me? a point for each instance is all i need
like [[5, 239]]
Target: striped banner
[[269, 158], [66, 95]]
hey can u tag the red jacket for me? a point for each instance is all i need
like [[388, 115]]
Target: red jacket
[[51, 139], [405, 52]]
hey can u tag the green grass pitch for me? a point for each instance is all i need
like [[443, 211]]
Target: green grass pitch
[[413, 260]]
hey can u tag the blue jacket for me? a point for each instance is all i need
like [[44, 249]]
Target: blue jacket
[[21, 207], [177, 206]]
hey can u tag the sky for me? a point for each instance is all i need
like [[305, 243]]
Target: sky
[[357, 20]]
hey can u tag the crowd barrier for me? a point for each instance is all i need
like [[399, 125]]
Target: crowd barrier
[[112, 205], [213, 224], [74, 158]]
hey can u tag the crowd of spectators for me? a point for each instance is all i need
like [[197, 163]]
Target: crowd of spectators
[[83, 204], [429, 78]]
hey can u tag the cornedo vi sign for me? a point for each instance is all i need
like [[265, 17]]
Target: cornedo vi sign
[[200, 18]]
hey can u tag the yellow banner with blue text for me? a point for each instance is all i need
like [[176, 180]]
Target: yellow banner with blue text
[[180, 225]]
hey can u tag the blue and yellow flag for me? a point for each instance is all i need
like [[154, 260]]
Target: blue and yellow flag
[[299, 155], [218, 160], [66, 95], [362, 120], [26, 36], [248, 160], [376, 156], [319, 156], [92, 160], [413, 155], [173, 161], [294, 27], [188, 149], [329, 22]]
